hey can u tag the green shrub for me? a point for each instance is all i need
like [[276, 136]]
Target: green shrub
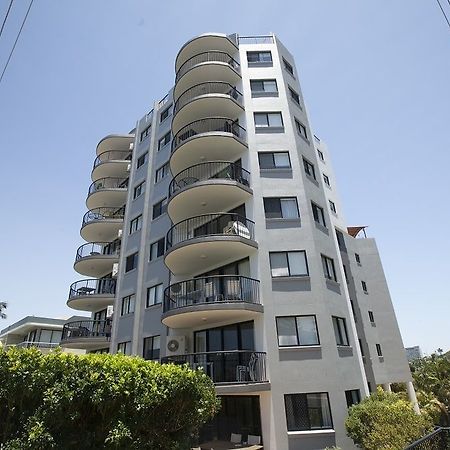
[[98, 401]]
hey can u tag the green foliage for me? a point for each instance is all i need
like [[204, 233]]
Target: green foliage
[[385, 421], [431, 377], [99, 401]]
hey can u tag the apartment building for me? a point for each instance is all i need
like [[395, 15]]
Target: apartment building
[[215, 237]]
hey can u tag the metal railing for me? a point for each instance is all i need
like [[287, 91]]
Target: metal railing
[[218, 224], [236, 366], [439, 439], [217, 170], [212, 56], [113, 155], [87, 329], [93, 286], [108, 183], [211, 87], [104, 213], [211, 290], [98, 249], [210, 125], [37, 344], [256, 39]]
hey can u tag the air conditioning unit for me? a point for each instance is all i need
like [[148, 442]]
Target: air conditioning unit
[[176, 345], [119, 233], [115, 269]]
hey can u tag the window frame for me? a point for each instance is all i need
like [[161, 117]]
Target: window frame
[[274, 161], [379, 350], [280, 200], [332, 206], [264, 92], [141, 160], [294, 95], [135, 257], [164, 114], [371, 317], [364, 287], [259, 61], [299, 344], [135, 224], [163, 141], [350, 398], [321, 155], [327, 275], [145, 133], [138, 190], [268, 126], [340, 326], [307, 165], [160, 245], [318, 213], [301, 129], [155, 288], [152, 340], [288, 67], [127, 347], [128, 305], [286, 252], [162, 205], [326, 180], [164, 169]]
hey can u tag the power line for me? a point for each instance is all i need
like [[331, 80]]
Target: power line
[[17, 38], [443, 12], [7, 14]]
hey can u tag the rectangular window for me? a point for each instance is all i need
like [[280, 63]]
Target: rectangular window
[[308, 411], [124, 347], [274, 160], [309, 168], [371, 317], [357, 258], [164, 141], [379, 351], [152, 346], [326, 180], [297, 331], [263, 87], [159, 208], [294, 96], [321, 157], [154, 295], [288, 264], [157, 249], [332, 206], [340, 331], [318, 214], [142, 160], [288, 67], [361, 348], [131, 262], [281, 208], [364, 286], [128, 304], [256, 58], [162, 172], [341, 240], [138, 190], [328, 268], [145, 133], [268, 120], [353, 310], [301, 129], [136, 224], [345, 273], [353, 397], [165, 114]]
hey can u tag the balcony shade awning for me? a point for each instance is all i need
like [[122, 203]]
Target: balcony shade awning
[[354, 231]]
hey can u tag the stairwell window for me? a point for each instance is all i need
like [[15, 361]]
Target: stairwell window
[[264, 88], [309, 168], [157, 249], [318, 214], [131, 262], [152, 347], [128, 305], [296, 331], [154, 295], [159, 208], [163, 141], [268, 122], [328, 268], [288, 264], [301, 129], [309, 411], [281, 208], [340, 331], [139, 190], [262, 58], [274, 160], [136, 224]]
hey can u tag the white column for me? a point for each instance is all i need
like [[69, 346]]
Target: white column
[[412, 396], [387, 387]]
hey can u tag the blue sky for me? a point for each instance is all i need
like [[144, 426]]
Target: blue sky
[[375, 76]]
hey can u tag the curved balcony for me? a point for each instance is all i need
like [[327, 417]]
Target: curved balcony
[[226, 367], [92, 294], [86, 334], [115, 142], [202, 43], [211, 139], [96, 259], [208, 187], [102, 224], [209, 300], [206, 66], [215, 98], [201, 242], [112, 163], [107, 191]]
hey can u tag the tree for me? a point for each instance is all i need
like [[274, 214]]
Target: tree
[[3, 306], [431, 376], [99, 401], [385, 421]]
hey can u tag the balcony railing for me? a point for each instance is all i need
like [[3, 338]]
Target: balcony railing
[[108, 183], [206, 57], [218, 170], [104, 213], [28, 344], [237, 366], [439, 439], [98, 249], [113, 155], [87, 329], [96, 286], [211, 290], [213, 87], [219, 224], [211, 125]]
